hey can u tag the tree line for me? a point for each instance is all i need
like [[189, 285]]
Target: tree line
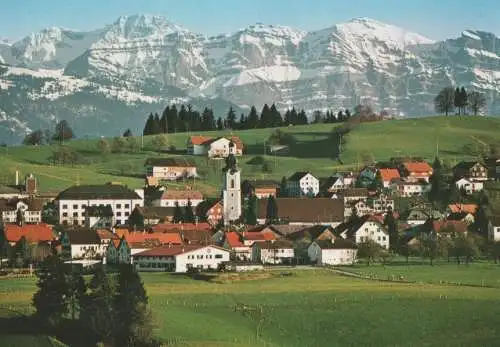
[[109, 309], [459, 100]]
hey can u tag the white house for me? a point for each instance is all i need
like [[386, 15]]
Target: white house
[[214, 148], [170, 169], [181, 258], [171, 196], [469, 186], [364, 229], [338, 182], [73, 202], [302, 184], [330, 252], [234, 243], [30, 209], [494, 232], [82, 244], [353, 195], [410, 188], [273, 252]]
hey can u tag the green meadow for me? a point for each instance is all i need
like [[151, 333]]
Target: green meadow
[[311, 308]]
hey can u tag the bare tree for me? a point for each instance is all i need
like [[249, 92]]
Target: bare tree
[[445, 101], [477, 102]]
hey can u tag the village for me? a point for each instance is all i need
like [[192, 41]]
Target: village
[[302, 220]]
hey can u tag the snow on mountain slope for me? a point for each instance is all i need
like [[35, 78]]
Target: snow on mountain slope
[[52, 47], [140, 63]]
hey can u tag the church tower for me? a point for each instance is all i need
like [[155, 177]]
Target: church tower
[[231, 193]]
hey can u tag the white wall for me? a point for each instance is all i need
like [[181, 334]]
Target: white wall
[[372, 231], [79, 251], [171, 202], [275, 256]]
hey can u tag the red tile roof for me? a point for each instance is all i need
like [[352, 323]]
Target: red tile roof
[[469, 208], [31, 232], [389, 174], [172, 194], [420, 167], [200, 140], [457, 225], [175, 227], [162, 238], [233, 239], [104, 234]]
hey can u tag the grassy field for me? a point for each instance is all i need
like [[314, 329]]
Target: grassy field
[[458, 138], [314, 308]]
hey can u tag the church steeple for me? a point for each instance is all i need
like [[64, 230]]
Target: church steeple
[[232, 187]]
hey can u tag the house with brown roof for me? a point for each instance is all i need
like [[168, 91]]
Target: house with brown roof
[[304, 211], [417, 170], [82, 243], [181, 258], [471, 170], [28, 209], [213, 147], [171, 197], [410, 187], [363, 229], [170, 169]]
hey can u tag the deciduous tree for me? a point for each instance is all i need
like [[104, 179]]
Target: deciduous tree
[[477, 102], [445, 101]]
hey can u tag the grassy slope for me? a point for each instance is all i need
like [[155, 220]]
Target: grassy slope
[[313, 150], [314, 308]]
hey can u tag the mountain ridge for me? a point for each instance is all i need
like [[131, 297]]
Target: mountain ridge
[[145, 62]]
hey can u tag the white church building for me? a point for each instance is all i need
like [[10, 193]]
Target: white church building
[[231, 193]]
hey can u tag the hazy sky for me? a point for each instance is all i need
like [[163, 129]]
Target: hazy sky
[[436, 19]]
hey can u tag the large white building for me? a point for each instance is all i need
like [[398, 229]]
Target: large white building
[[364, 229], [181, 258], [231, 194], [302, 184], [273, 252], [29, 209], [327, 252], [73, 202]]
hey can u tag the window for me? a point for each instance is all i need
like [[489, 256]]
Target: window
[[218, 256], [64, 207], [84, 206], [127, 214], [127, 206], [75, 207], [75, 214], [65, 214], [232, 183], [119, 214], [118, 205]]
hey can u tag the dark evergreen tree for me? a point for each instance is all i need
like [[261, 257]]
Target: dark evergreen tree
[[34, 138], [457, 102], [294, 116], [189, 214], [242, 124], [136, 219], [220, 124], [207, 119], [340, 116], [276, 118], [21, 252], [172, 120], [392, 229], [50, 300], [63, 132], [76, 291], [178, 215], [251, 210], [253, 119], [481, 221], [437, 193], [283, 187], [377, 184], [156, 129], [97, 314], [129, 300], [463, 100], [265, 117], [128, 133], [302, 118], [288, 117], [231, 118], [317, 117], [182, 120], [347, 115], [445, 100], [164, 120], [272, 210], [148, 127]]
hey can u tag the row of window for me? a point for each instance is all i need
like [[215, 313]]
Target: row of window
[[117, 206], [207, 256]]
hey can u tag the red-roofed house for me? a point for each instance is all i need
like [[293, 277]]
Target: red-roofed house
[[388, 175], [468, 208], [198, 145], [250, 237], [162, 238], [178, 227], [449, 225], [214, 147], [33, 233], [181, 258], [214, 213], [235, 244], [417, 170]]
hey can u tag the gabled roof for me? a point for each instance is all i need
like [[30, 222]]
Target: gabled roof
[[297, 176], [285, 229], [104, 234], [101, 191], [311, 233], [339, 243], [233, 239], [33, 204], [172, 194], [456, 225], [171, 162], [389, 174], [417, 166], [351, 227], [279, 244], [305, 210], [162, 238], [83, 236], [175, 227], [31, 232], [469, 208], [200, 140], [262, 183], [99, 211], [466, 165], [353, 192], [258, 236]]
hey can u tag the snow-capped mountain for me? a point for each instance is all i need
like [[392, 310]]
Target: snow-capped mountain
[[117, 74]]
